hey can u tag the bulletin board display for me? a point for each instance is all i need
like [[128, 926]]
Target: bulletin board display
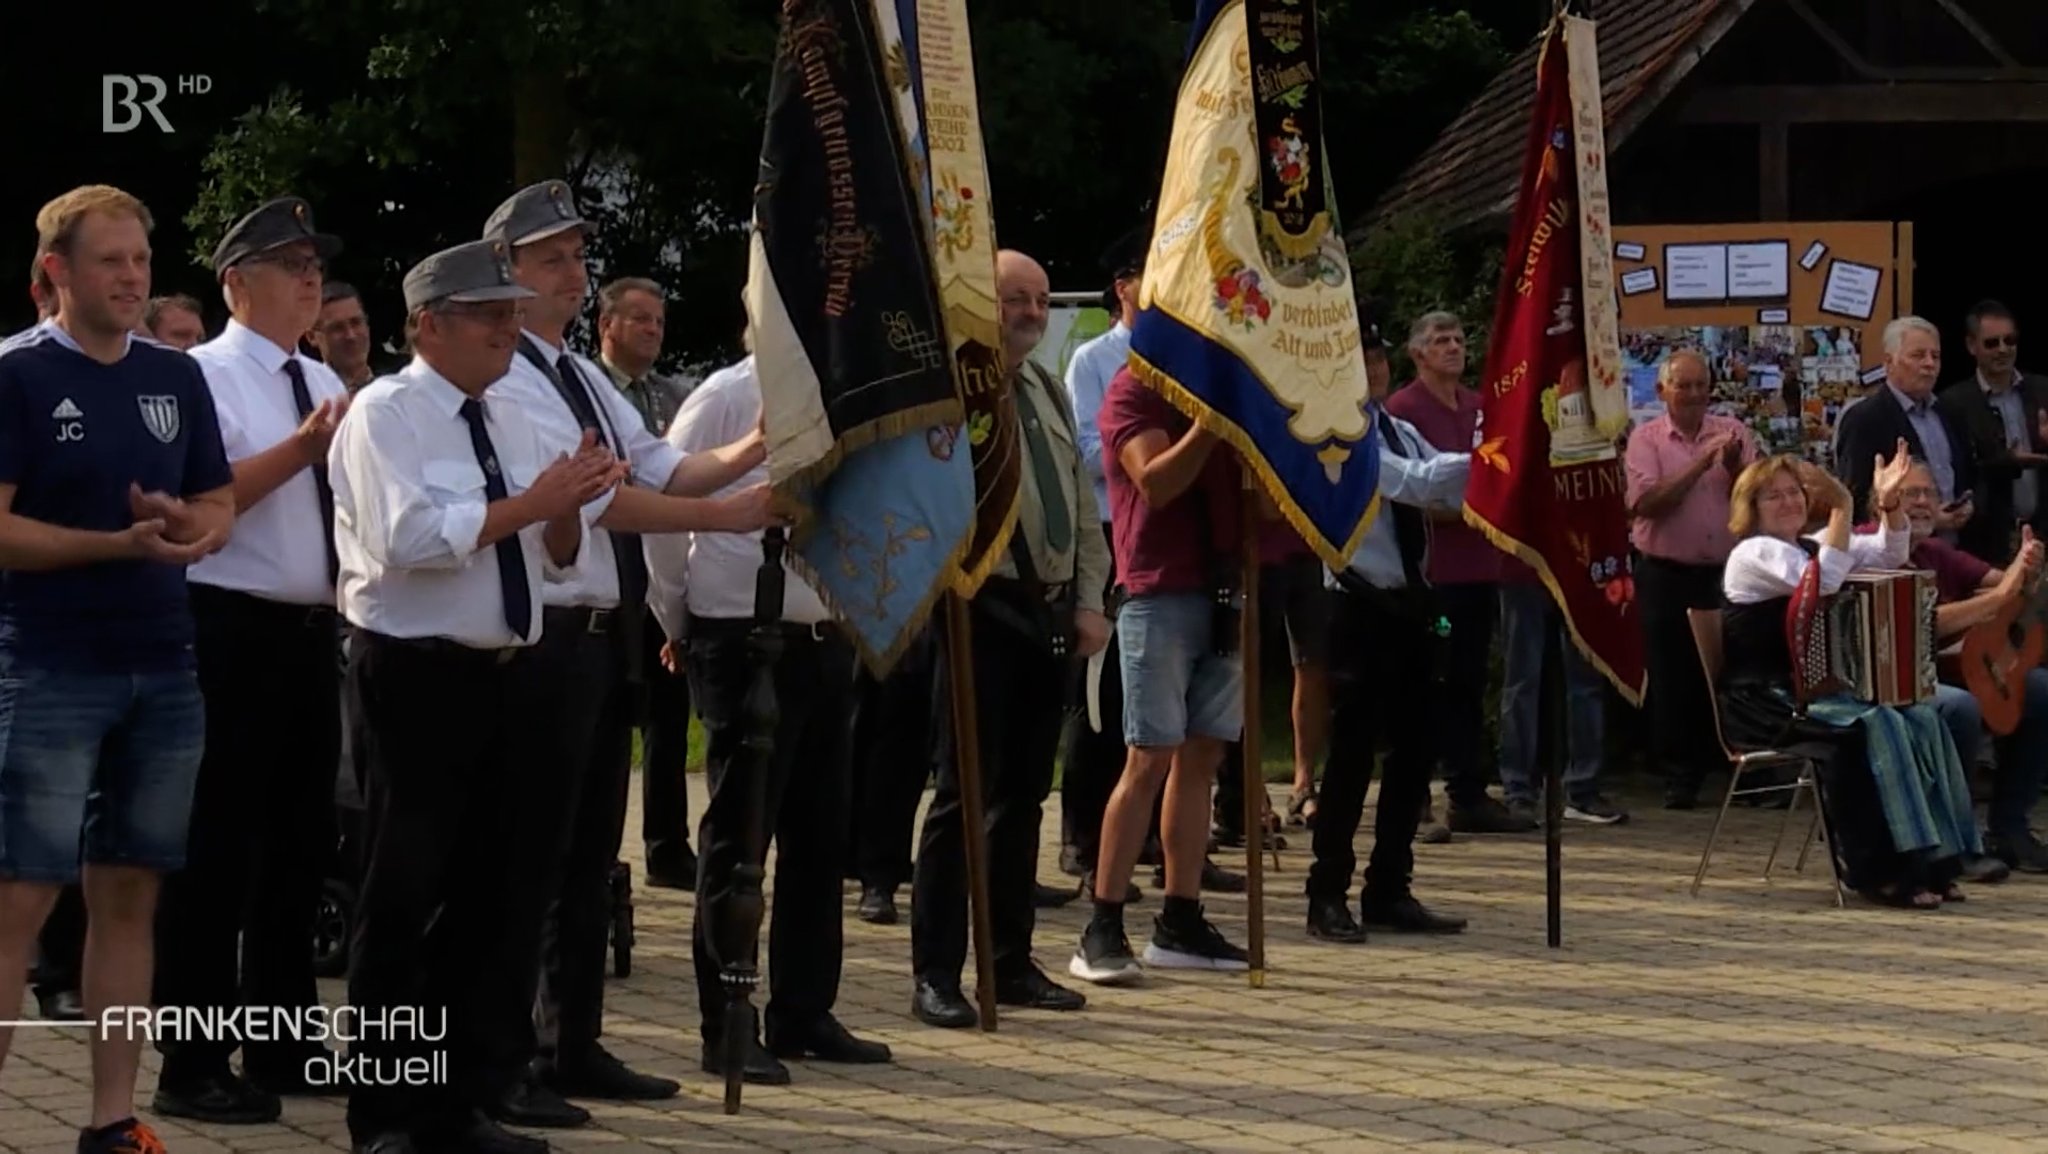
[[1791, 317]]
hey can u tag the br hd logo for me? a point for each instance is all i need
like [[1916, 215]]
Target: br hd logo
[[123, 95]]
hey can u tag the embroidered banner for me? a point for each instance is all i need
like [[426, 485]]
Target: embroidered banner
[[849, 339], [1247, 321], [1546, 483]]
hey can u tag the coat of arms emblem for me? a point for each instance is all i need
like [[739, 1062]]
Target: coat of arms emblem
[[160, 417]]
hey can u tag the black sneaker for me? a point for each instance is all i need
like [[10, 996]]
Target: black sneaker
[[1199, 946], [1105, 956], [1594, 810], [2024, 853]]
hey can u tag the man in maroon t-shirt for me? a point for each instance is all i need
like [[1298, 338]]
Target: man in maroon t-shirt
[[1969, 593], [1175, 515]]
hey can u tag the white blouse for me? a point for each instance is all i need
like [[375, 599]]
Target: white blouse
[[1763, 567]]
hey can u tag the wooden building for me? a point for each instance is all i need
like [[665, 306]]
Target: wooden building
[[1929, 111]]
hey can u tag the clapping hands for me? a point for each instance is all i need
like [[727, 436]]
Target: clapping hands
[[1888, 478]]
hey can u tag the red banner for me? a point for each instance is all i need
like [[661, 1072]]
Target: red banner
[[1547, 483]]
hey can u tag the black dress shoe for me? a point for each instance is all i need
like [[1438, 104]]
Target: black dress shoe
[[221, 1099], [877, 906], [393, 1142], [1984, 869], [1071, 863], [942, 1006], [597, 1074], [2024, 853], [1332, 922], [761, 1067], [1215, 879], [1408, 916], [1034, 991], [61, 1006], [827, 1041], [1045, 897], [531, 1102], [673, 869], [482, 1135]]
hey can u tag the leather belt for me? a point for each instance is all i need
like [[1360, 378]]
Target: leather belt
[[579, 619]]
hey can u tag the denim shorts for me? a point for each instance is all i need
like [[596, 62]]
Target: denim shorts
[[1175, 687], [98, 765]]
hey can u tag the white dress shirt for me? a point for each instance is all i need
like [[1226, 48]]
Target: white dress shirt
[[596, 585], [409, 505], [1763, 567], [711, 575], [1424, 477], [277, 551]]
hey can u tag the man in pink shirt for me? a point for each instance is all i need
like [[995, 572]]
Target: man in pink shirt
[[1681, 467]]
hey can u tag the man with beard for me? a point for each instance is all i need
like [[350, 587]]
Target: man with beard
[[237, 918], [1039, 612], [112, 481], [1969, 594]]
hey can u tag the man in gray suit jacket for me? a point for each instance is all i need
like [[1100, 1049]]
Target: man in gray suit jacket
[[631, 315]]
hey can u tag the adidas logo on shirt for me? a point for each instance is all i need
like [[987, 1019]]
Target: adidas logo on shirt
[[65, 411]]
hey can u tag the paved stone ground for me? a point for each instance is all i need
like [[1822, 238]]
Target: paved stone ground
[[1753, 1018]]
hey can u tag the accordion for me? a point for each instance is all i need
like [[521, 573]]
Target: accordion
[[1873, 640]]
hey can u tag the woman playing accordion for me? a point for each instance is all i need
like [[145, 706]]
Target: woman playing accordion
[[1897, 801]]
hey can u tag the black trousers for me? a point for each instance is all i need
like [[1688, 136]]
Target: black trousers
[[1371, 696], [235, 926], [892, 760], [460, 799], [806, 793], [1682, 730], [664, 753], [1093, 762], [1460, 699], [591, 746], [1017, 736]]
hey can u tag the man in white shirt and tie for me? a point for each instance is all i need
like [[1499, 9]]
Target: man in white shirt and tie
[[704, 599], [235, 921], [594, 625], [450, 517], [1382, 622]]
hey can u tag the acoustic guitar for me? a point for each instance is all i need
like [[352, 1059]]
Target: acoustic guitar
[[1998, 654]]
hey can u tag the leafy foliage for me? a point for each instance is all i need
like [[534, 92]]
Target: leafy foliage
[[1409, 265], [416, 117]]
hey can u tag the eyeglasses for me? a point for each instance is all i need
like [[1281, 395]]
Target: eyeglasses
[[2006, 342], [292, 264], [1920, 493]]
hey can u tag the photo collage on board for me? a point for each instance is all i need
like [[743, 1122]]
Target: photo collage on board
[[1788, 383]]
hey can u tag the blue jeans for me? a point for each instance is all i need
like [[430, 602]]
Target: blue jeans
[[2022, 763], [1175, 686], [105, 762], [1965, 721], [1527, 617]]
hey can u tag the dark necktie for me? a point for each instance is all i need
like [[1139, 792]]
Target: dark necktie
[[627, 555], [511, 560], [1052, 498], [302, 397], [1411, 537]]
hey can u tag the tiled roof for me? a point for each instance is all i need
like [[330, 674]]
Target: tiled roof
[[1646, 48]]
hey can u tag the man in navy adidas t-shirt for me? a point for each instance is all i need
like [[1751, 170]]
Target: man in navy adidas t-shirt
[[112, 481]]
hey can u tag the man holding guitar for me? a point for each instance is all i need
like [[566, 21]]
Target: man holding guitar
[[1998, 616]]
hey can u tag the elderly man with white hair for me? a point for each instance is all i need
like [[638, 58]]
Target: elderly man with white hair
[[1903, 407]]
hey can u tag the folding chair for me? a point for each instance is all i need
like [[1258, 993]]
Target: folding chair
[[1706, 636]]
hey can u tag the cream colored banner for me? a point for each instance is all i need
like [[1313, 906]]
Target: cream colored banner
[[1212, 268], [963, 237], [1604, 380]]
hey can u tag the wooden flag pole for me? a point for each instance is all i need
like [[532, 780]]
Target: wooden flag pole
[[967, 767], [1553, 740], [1253, 768]]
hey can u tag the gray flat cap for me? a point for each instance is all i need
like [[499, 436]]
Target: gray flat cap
[[535, 212], [480, 270], [286, 220]]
